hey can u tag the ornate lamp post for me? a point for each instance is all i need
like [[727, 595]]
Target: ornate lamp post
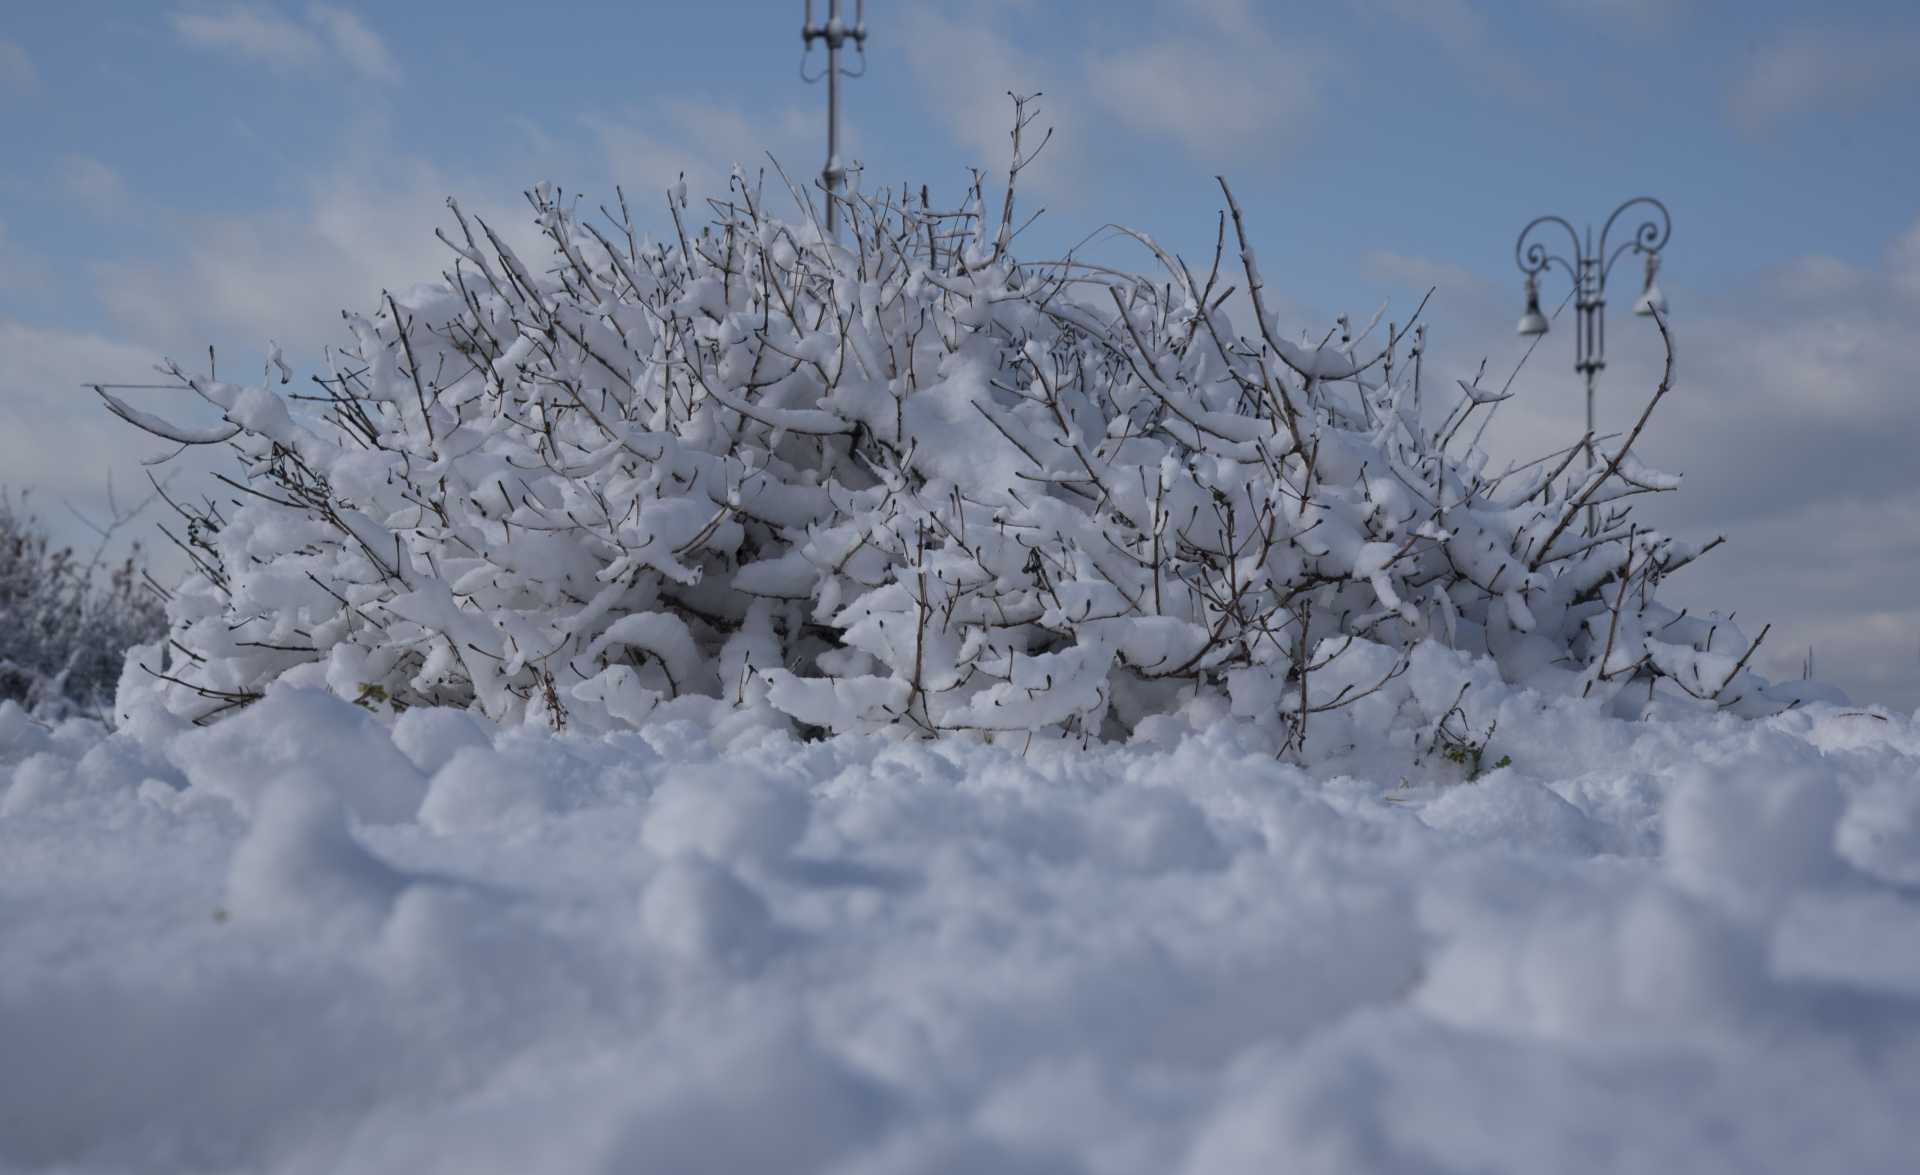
[[835, 33], [1589, 269]]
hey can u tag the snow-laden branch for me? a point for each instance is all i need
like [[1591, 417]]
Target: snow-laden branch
[[908, 483]]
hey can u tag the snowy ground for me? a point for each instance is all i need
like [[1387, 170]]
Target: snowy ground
[[313, 940]]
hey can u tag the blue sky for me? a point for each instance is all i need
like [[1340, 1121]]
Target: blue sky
[[194, 173]]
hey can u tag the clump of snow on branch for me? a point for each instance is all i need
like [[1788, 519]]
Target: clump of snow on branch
[[909, 482]]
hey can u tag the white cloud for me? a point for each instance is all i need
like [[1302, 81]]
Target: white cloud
[[1807, 70], [1903, 261], [1642, 16], [251, 32], [359, 45], [1217, 98], [287, 273], [54, 435], [329, 36], [1419, 273], [1224, 86], [1819, 276], [1466, 36], [965, 70], [19, 268], [77, 460], [647, 151], [92, 184], [1829, 575], [17, 72]]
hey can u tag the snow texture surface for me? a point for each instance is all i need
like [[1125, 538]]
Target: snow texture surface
[[316, 939]]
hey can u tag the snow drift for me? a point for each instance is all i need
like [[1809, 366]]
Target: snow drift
[[1689, 944]]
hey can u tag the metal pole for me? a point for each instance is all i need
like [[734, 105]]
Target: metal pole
[[831, 173], [1593, 512], [835, 34], [1593, 346]]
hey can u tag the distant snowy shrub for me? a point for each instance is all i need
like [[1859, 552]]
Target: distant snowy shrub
[[908, 482], [64, 632]]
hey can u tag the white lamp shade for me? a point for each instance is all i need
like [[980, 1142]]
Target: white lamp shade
[[1532, 322]]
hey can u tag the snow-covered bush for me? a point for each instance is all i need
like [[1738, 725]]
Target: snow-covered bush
[[905, 481], [64, 632]]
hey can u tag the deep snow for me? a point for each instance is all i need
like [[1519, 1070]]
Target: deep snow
[[313, 939]]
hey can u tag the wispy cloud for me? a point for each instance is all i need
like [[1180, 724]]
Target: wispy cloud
[[48, 419], [17, 72], [92, 184], [1903, 261], [1419, 273], [1463, 32], [1229, 86], [287, 272], [1807, 70], [966, 66], [647, 151], [19, 268], [353, 40], [329, 36], [1643, 16]]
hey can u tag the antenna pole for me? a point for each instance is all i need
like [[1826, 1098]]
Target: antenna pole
[[835, 33]]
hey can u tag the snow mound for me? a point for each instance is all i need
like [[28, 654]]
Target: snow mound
[[313, 940], [300, 864]]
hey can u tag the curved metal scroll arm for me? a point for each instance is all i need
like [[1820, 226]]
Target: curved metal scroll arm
[[1650, 237], [1533, 258]]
